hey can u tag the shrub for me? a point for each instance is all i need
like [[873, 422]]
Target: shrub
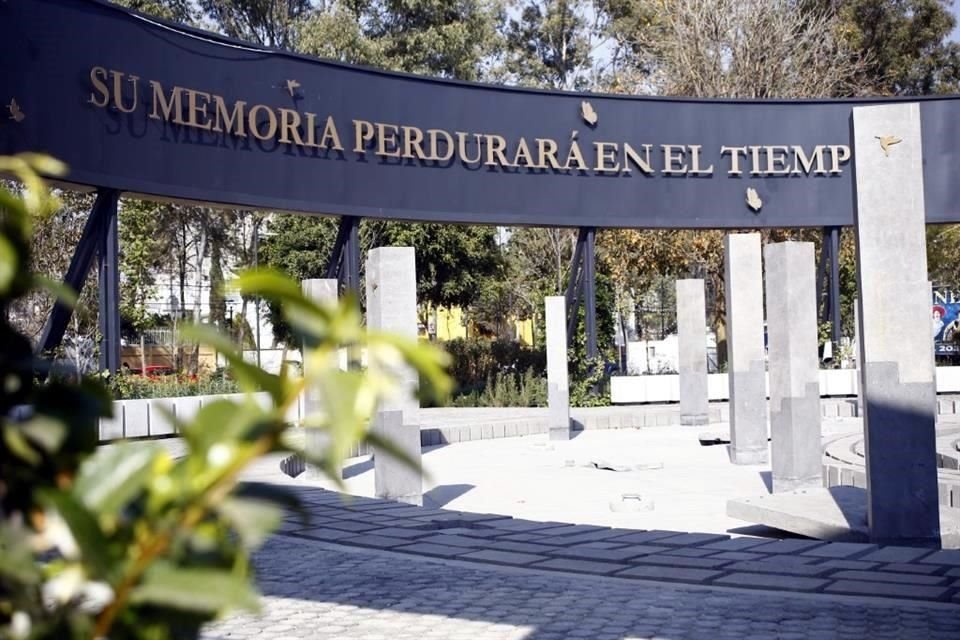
[[125, 542]]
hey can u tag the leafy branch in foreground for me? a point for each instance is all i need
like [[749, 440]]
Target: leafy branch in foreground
[[124, 541]]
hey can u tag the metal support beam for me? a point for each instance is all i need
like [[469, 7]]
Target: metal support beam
[[583, 283], [575, 284], [91, 241], [590, 292], [344, 263], [835, 286], [109, 282]]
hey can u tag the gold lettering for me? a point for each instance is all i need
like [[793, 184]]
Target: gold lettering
[[197, 107], [695, 162], [802, 163], [97, 76], [547, 151], [233, 119], [777, 160], [362, 134], [253, 126], [412, 143], [118, 91], [606, 153], [432, 135], [384, 139], [734, 158], [462, 147], [311, 130], [290, 127], [171, 108], [631, 155], [755, 160], [495, 148], [331, 137], [575, 155], [672, 154], [523, 153], [838, 153]]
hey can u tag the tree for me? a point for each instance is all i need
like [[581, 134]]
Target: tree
[[272, 23], [904, 43], [735, 49], [550, 44]]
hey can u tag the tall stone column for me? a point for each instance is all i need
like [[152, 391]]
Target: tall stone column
[[392, 306], [558, 389], [692, 345], [796, 453], [896, 361], [322, 291], [745, 361]]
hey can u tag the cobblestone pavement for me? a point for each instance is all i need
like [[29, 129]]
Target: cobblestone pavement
[[315, 590]]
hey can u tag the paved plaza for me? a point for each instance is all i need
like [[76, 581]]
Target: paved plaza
[[364, 569], [316, 590]]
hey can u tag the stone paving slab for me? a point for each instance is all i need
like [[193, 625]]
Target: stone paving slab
[[316, 591], [789, 565]]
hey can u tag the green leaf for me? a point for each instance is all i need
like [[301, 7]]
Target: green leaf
[[16, 557], [86, 531], [9, 264], [200, 590], [392, 450], [113, 476], [247, 374], [277, 494], [253, 520], [17, 443], [45, 431], [62, 292], [224, 421]]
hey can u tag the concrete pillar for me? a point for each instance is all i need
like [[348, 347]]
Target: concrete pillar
[[322, 291], [795, 449], [558, 389], [394, 479], [745, 361], [897, 375], [392, 307], [692, 345]]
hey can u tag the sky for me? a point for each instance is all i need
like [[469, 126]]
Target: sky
[[955, 10]]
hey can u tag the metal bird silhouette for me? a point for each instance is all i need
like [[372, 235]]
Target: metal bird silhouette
[[589, 115], [753, 199], [292, 86], [886, 142], [15, 113]]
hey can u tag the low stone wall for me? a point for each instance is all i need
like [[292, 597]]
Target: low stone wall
[[666, 388], [843, 464]]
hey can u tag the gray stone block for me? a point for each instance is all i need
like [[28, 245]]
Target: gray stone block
[[895, 554], [736, 544], [897, 376], [679, 561], [779, 566], [503, 557], [858, 587], [767, 581], [112, 428], [884, 576], [644, 536], [793, 368], [161, 417], [429, 549], [745, 350], [558, 390], [374, 541], [581, 566], [136, 418], [947, 557], [692, 346], [669, 574], [610, 555], [393, 478], [840, 550], [685, 539], [851, 565]]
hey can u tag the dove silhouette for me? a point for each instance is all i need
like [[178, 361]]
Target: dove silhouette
[[292, 86], [753, 199], [886, 142], [589, 115], [15, 113]]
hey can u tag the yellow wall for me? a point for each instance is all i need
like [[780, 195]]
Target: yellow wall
[[450, 326]]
